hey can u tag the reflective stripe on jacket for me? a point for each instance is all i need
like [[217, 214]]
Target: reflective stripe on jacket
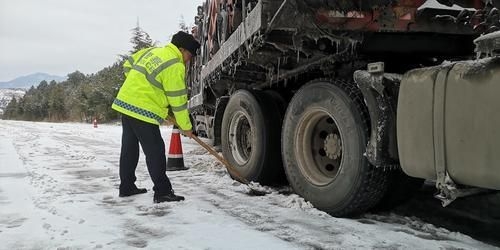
[[154, 83]]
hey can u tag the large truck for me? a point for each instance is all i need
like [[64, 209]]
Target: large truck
[[297, 92]]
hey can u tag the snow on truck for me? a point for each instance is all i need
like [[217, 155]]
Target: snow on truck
[[297, 91]]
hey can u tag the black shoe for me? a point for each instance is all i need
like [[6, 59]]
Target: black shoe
[[167, 198], [133, 192]]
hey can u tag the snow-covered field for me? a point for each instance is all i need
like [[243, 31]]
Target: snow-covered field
[[58, 190]]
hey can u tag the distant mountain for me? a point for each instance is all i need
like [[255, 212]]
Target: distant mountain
[[6, 96], [25, 82]]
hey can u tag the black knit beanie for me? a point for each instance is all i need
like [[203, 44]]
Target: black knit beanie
[[186, 41]]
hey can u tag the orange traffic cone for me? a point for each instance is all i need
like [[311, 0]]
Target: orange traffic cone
[[175, 160]]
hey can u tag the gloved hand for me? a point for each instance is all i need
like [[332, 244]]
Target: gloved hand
[[170, 120]]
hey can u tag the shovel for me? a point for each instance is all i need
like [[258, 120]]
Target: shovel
[[253, 190]]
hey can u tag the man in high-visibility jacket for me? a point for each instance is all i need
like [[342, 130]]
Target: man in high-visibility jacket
[[154, 87]]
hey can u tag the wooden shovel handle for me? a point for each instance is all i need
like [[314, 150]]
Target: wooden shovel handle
[[212, 151], [229, 168]]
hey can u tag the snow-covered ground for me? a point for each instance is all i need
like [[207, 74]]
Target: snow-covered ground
[[58, 190]]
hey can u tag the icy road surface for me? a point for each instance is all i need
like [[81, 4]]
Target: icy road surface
[[58, 189]]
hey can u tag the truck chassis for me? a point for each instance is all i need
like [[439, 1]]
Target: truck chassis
[[275, 89]]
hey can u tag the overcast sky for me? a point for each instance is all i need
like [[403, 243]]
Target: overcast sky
[[61, 36]]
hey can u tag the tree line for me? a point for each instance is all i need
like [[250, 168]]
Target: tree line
[[79, 98]]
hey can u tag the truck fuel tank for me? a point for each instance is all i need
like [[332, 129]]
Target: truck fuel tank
[[448, 119]]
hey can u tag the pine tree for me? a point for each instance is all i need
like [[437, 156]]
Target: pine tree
[[140, 39], [56, 108], [182, 25], [76, 78], [11, 109]]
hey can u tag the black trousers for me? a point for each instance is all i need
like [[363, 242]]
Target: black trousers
[[148, 135]]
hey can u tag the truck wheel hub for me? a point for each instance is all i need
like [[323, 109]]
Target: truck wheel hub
[[333, 146], [319, 147], [240, 138]]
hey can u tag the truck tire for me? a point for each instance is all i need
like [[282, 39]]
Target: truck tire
[[281, 105], [251, 136], [278, 100], [324, 137], [400, 188]]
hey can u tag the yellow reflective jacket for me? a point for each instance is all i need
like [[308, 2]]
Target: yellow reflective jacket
[[155, 82]]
